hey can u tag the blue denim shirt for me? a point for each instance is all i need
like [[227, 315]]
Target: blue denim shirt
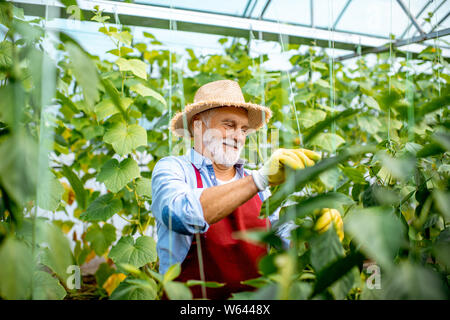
[[174, 190]]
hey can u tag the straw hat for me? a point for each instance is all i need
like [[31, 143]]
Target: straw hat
[[219, 94]]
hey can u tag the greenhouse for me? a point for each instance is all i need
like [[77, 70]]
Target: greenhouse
[[224, 150]]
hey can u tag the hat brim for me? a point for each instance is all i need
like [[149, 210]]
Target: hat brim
[[257, 115]]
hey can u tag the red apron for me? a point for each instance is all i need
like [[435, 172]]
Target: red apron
[[225, 259]]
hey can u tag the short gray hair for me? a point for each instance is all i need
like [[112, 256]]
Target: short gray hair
[[206, 116]]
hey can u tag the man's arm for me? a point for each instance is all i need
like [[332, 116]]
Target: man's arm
[[174, 202], [219, 201]]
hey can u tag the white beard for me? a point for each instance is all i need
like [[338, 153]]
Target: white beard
[[215, 146]]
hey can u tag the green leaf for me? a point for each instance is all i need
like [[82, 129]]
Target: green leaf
[[50, 191], [144, 91], [124, 37], [379, 232], [18, 166], [177, 291], [103, 272], [307, 206], [144, 187], [137, 254], [322, 125], [58, 254], [409, 281], [208, 284], [77, 186], [325, 249], [172, 272], [136, 66], [116, 175], [310, 117], [135, 289], [125, 138], [330, 178], [401, 168], [85, 72], [100, 238], [16, 269], [45, 287], [106, 107], [369, 124], [102, 208], [323, 83], [442, 200], [371, 102], [328, 141], [336, 270], [354, 174]]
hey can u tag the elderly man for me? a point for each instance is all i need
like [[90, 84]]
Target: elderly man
[[207, 194]]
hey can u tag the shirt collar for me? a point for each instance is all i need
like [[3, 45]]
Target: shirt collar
[[200, 160]]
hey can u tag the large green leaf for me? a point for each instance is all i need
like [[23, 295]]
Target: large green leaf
[[125, 138], [177, 291], [324, 124], [85, 72], [50, 191], [16, 269], [336, 270], [379, 232], [371, 102], [116, 175], [135, 289], [18, 166], [102, 208], [327, 250], [310, 117], [137, 254], [147, 92], [58, 253], [107, 107], [136, 66], [46, 287], [77, 186], [144, 187], [408, 281], [327, 141], [101, 238], [369, 124]]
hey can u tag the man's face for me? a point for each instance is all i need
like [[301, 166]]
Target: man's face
[[226, 134]]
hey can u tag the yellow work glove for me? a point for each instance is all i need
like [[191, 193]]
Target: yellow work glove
[[273, 171], [327, 217]]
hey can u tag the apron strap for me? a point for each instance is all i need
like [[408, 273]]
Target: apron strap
[[199, 178]]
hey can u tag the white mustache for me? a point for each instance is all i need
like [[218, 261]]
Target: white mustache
[[232, 143]]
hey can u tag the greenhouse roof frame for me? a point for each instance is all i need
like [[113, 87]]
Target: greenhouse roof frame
[[154, 16]]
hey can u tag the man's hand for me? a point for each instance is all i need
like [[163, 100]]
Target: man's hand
[[327, 217], [273, 171]]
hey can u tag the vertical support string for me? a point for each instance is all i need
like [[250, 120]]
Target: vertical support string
[[409, 94]]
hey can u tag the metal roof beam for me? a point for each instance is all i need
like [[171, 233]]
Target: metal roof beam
[[341, 14], [264, 9], [398, 43], [441, 21], [410, 16], [417, 17], [201, 22]]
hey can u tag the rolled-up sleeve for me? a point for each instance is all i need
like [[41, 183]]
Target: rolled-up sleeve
[[284, 230], [174, 202]]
